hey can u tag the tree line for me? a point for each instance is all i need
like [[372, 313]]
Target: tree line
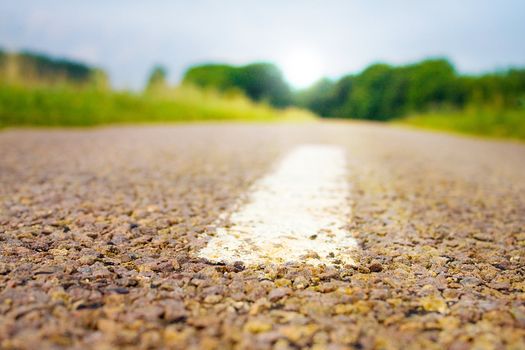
[[380, 92], [28, 67]]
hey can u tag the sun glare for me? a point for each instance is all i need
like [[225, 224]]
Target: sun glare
[[302, 68]]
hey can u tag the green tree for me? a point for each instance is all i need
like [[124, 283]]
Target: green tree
[[157, 79], [217, 76], [259, 81], [29, 68], [319, 98], [431, 83], [263, 82]]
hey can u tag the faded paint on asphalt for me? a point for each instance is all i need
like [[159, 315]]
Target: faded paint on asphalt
[[297, 213]]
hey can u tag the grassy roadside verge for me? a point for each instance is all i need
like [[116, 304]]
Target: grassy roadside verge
[[507, 124], [70, 106]]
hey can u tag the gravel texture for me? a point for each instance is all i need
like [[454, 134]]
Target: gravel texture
[[99, 230]]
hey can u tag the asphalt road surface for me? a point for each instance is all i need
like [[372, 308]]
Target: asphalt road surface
[[102, 233]]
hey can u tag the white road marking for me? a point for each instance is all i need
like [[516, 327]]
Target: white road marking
[[297, 213]]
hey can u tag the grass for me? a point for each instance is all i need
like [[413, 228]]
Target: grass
[[72, 106], [66, 105], [489, 122]]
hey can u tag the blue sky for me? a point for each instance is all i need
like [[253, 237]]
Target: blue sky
[[329, 37]]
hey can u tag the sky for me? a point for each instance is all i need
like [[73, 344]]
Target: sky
[[307, 39]]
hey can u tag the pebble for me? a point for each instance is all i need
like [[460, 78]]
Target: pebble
[[300, 282], [278, 293], [375, 267]]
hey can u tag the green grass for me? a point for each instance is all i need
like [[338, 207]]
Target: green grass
[[475, 121], [69, 106]]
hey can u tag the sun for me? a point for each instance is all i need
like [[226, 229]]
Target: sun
[[302, 68]]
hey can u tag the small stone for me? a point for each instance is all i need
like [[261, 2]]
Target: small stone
[[451, 294], [278, 293], [107, 326], [483, 237], [175, 312], [174, 337], [59, 252], [87, 260], [434, 303], [298, 333], [341, 309], [4, 269], [300, 282], [283, 282], [311, 255], [519, 315], [500, 285], [515, 259], [259, 306], [89, 306], [212, 299], [238, 266], [375, 267], [121, 290], [326, 287], [257, 326], [470, 281]]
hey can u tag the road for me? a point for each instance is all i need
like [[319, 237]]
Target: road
[[102, 233]]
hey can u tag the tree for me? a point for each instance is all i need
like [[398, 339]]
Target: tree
[[321, 98], [259, 81], [217, 76], [431, 83], [157, 79], [263, 82]]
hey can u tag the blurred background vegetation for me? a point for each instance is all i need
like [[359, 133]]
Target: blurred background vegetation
[[430, 94], [259, 81], [38, 90]]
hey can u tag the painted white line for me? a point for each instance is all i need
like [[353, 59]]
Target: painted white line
[[297, 213]]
